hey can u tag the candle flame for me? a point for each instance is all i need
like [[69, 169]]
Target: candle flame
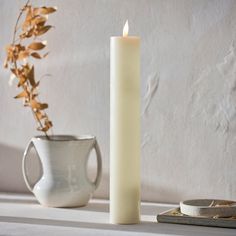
[[126, 29]]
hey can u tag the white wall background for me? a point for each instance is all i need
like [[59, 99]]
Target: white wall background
[[188, 91]]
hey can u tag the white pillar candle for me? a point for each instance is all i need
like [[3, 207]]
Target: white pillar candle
[[125, 129]]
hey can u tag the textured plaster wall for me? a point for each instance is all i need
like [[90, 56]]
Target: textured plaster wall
[[188, 91]]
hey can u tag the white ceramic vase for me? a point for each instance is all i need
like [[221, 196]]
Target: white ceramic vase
[[64, 182]]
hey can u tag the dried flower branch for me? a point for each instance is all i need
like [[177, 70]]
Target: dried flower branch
[[20, 52]]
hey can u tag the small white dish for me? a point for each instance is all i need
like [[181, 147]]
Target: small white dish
[[208, 208]]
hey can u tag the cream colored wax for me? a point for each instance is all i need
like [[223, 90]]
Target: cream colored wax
[[125, 130]]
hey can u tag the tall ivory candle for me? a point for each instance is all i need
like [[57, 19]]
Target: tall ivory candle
[[125, 129]]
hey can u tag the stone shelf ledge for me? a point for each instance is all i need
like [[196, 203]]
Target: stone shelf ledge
[[22, 215]]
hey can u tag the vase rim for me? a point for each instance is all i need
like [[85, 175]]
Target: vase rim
[[62, 137]]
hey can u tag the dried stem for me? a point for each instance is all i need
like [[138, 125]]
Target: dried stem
[[17, 21], [15, 64], [14, 54]]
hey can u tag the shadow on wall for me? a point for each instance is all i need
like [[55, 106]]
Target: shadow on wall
[[11, 178]]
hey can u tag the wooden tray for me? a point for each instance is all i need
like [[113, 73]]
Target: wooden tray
[[176, 217]]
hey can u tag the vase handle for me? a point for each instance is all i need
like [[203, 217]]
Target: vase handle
[[24, 171], [99, 164]]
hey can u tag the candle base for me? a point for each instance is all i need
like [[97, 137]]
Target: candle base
[[125, 215]]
